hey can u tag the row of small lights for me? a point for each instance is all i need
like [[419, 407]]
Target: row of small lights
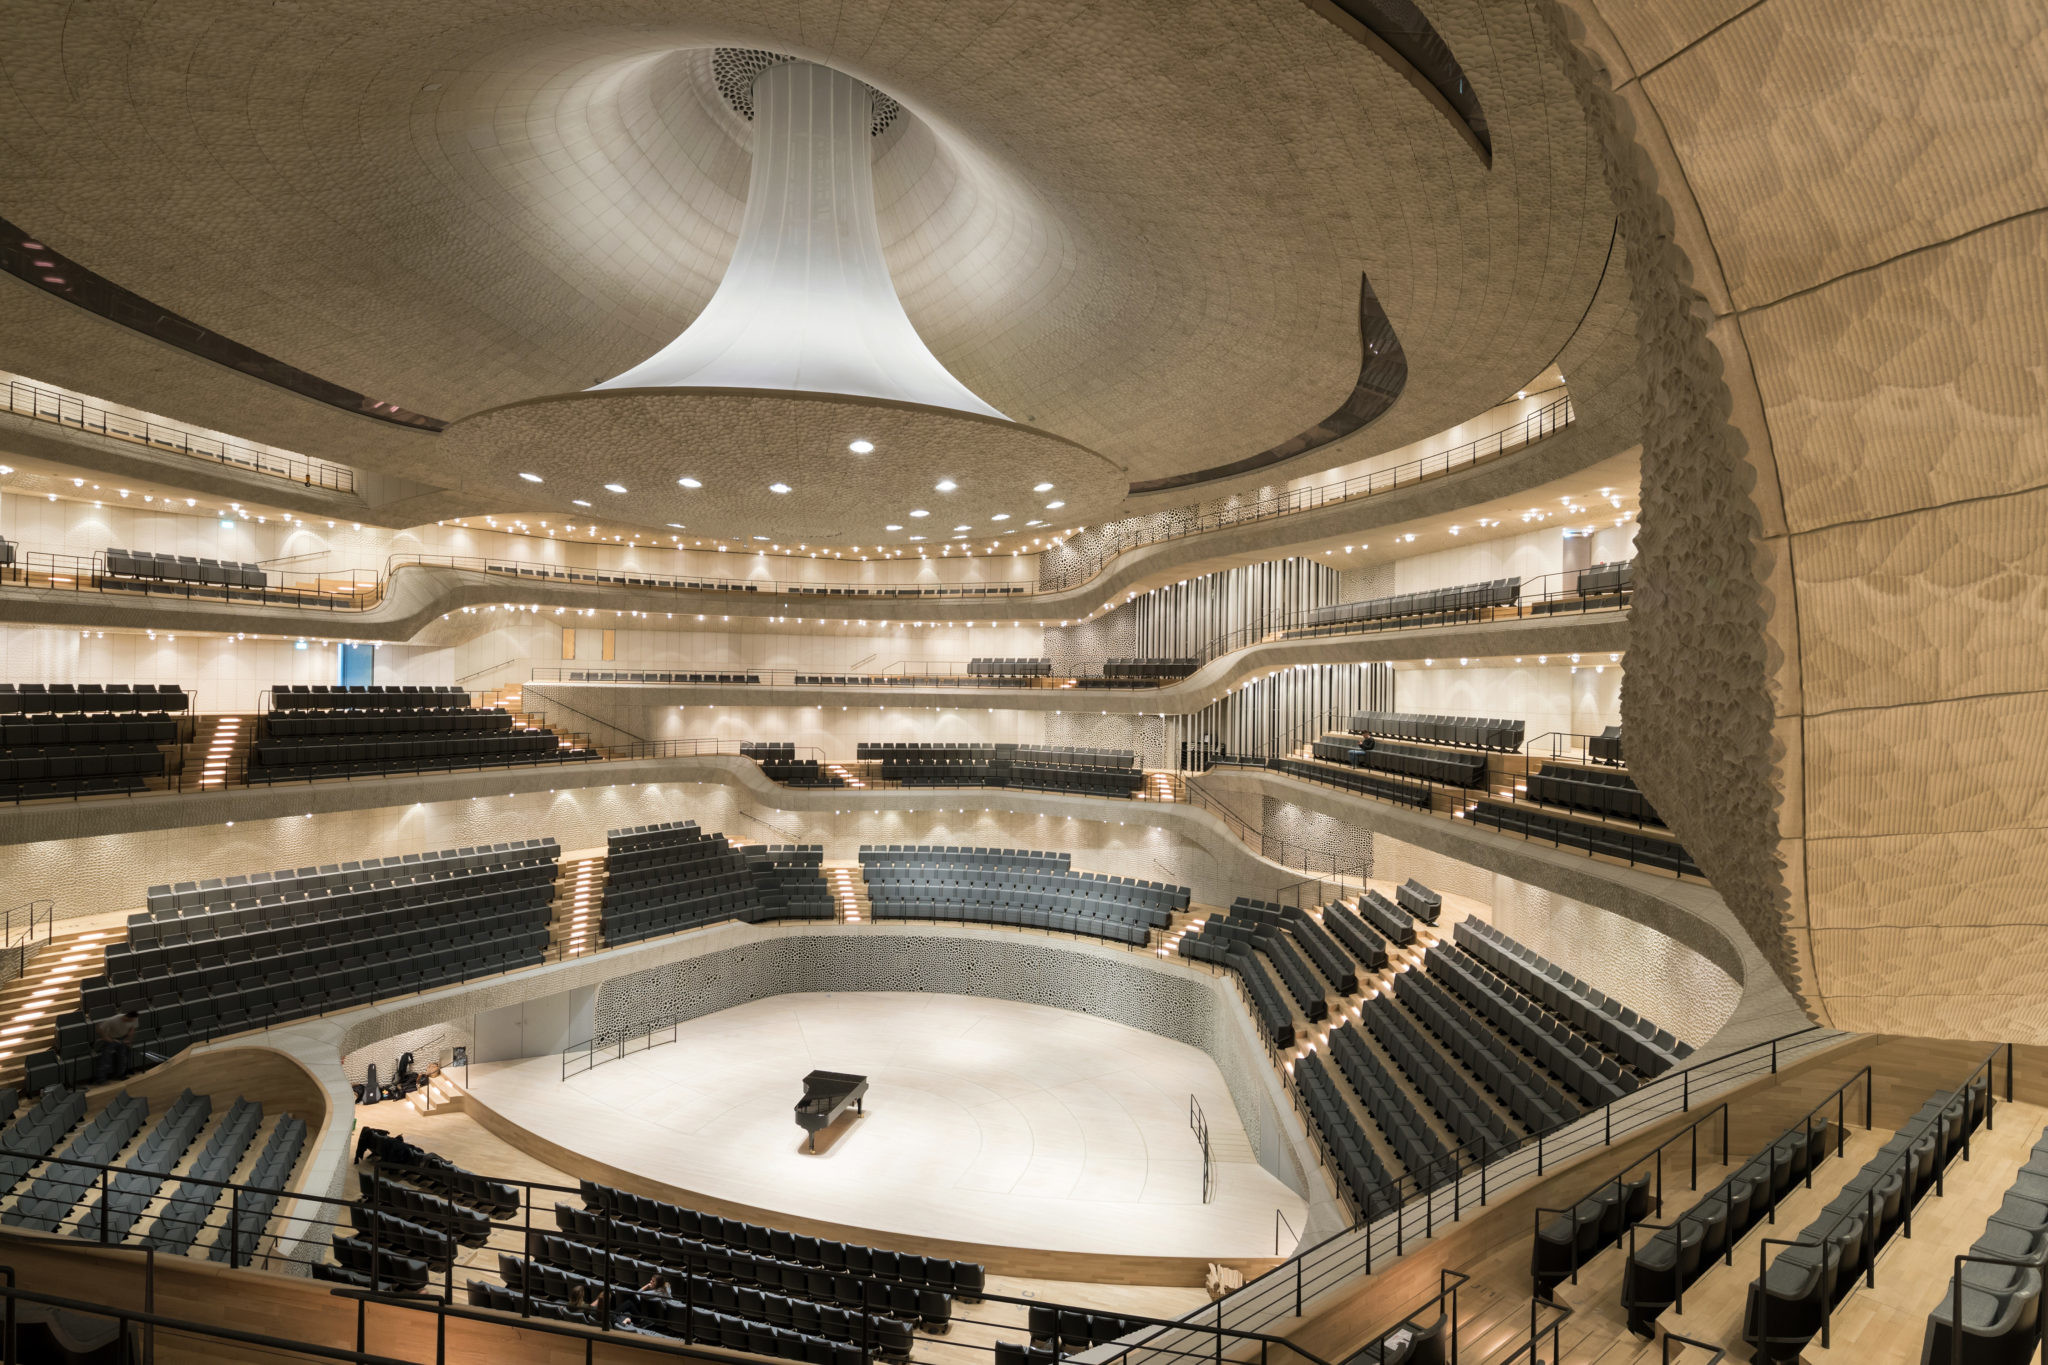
[[860, 446]]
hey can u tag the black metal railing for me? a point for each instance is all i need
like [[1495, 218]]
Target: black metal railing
[[31, 400], [23, 926], [578, 1058], [1690, 1134]]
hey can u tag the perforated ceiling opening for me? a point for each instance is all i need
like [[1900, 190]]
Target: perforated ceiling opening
[[734, 68]]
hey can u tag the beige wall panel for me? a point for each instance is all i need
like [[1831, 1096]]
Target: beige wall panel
[[1972, 877], [1919, 383], [1824, 136], [1652, 30], [1976, 764], [1923, 960], [1938, 605]]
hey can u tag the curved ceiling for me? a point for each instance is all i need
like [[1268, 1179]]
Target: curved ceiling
[[1143, 237]]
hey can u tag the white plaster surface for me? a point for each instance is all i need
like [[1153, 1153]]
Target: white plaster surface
[[987, 1121]]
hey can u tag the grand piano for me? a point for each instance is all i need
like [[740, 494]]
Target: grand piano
[[826, 1096]]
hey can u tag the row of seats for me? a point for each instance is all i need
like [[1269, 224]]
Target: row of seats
[[436, 1174], [38, 698], [148, 564], [661, 880], [386, 720], [1593, 1076], [1088, 772], [268, 1178], [35, 1133], [962, 855], [1046, 920], [1269, 1009], [130, 1190], [64, 1181], [1787, 1302], [1387, 919], [1164, 670], [1628, 1035], [106, 727], [1358, 1166], [550, 1290], [38, 772], [1419, 901], [2001, 1303], [965, 1278], [191, 1203], [1661, 1267], [1463, 602], [1364, 783], [1310, 937], [1235, 935], [298, 760], [892, 751], [388, 878], [1646, 850], [329, 697], [1530, 1095], [1602, 791], [526, 569], [1456, 1099], [743, 1284], [1588, 1227], [1465, 732], [1403, 760], [1363, 943], [467, 1226], [1428, 1160], [1009, 668], [702, 679]]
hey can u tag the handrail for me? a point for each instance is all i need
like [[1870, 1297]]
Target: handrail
[[622, 1039], [1985, 1069], [31, 400], [184, 1326], [1690, 1132], [1670, 1337], [1414, 1209], [1199, 1122], [1547, 420], [21, 939]]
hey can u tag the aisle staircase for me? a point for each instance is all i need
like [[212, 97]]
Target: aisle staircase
[[579, 894], [217, 755], [849, 893], [31, 1002], [438, 1096]]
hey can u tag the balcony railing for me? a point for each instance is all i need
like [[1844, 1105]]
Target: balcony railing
[[45, 405]]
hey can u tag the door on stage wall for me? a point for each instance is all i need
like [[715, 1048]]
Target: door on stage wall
[[356, 665]]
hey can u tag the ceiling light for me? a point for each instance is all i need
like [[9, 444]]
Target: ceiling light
[[919, 512], [778, 488], [962, 528], [579, 502], [1054, 506], [615, 488], [917, 537], [861, 446], [1041, 488], [892, 526], [945, 485], [530, 478], [691, 483], [1000, 516]]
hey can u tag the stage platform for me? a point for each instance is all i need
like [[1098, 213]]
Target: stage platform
[[1035, 1140]]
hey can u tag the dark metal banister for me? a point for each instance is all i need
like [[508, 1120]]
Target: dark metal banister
[[1670, 1337], [1654, 1157], [1986, 1069], [1333, 1266]]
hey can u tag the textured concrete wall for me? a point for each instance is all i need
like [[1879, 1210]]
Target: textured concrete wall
[[1832, 211]]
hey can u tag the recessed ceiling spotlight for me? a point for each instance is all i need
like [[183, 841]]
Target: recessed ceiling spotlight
[[615, 488], [861, 446], [945, 485], [1041, 488], [778, 488], [917, 537], [691, 483], [963, 528], [579, 502], [1000, 516], [530, 478], [675, 526], [892, 526], [1055, 505], [919, 512]]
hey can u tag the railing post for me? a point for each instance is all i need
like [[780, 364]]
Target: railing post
[[105, 1209]]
